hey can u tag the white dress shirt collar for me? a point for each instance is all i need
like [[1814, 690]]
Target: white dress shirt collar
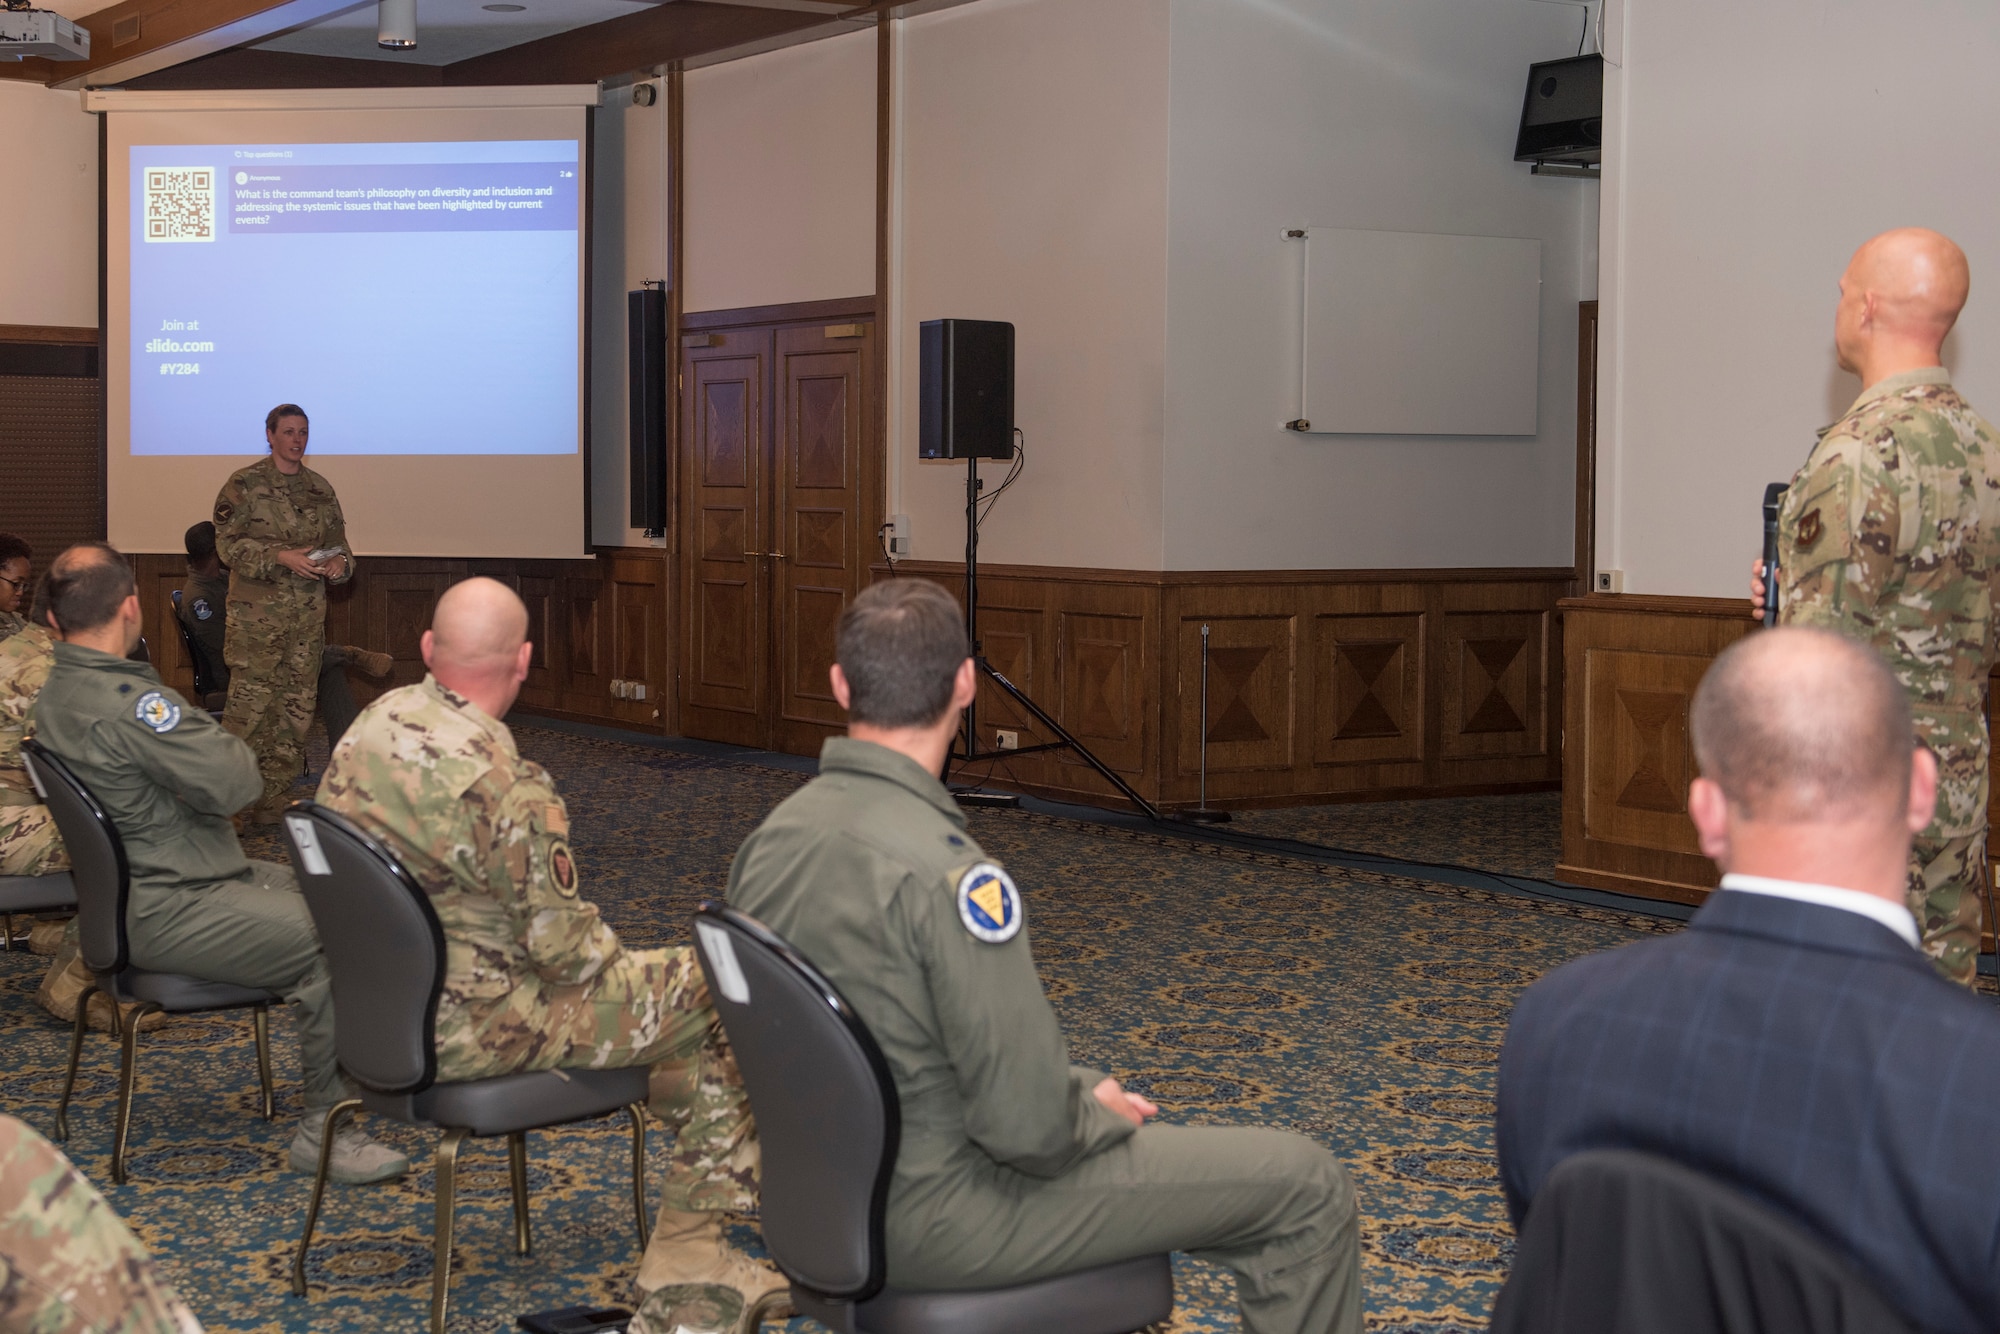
[[1892, 915]]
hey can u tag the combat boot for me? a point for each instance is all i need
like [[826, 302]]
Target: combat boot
[[689, 1250], [356, 1159], [689, 1308], [374, 664]]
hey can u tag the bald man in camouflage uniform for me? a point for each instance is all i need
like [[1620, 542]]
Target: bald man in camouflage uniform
[[1890, 534], [269, 519], [67, 1264], [534, 979]]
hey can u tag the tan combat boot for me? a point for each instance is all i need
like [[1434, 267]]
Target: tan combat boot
[[374, 664], [689, 1250]]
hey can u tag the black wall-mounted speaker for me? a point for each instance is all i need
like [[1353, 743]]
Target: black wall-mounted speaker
[[646, 350], [966, 390]]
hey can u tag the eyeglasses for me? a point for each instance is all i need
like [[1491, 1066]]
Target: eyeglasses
[[16, 584]]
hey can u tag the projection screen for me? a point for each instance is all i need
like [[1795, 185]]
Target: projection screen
[[407, 265]]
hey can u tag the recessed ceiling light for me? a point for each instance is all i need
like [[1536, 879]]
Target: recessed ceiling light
[[503, 9]]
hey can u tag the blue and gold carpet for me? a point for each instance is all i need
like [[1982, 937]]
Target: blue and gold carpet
[[1361, 1008]]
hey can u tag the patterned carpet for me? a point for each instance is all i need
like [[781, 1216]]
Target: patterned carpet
[[1513, 835], [1360, 1008]]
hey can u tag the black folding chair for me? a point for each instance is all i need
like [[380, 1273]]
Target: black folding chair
[[103, 888], [207, 687], [828, 1123], [385, 948], [1620, 1242]]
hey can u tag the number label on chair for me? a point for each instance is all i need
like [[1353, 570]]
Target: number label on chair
[[306, 839], [721, 952]]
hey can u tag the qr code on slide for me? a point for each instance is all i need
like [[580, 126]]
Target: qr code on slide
[[180, 203]]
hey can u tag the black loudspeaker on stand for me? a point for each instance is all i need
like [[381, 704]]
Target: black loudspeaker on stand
[[966, 411], [646, 350]]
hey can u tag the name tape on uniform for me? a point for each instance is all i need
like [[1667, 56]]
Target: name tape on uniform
[[988, 904], [720, 951]]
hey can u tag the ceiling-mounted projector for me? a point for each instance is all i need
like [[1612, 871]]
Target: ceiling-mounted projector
[[41, 32]]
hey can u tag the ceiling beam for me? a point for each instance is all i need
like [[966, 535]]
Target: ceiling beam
[[255, 67], [640, 40]]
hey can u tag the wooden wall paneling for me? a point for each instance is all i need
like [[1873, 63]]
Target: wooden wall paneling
[[725, 611], [541, 592], [637, 625], [1368, 674], [1499, 680], [1372, 687], [1108, 646], [824, 376], [1253, 682], [1632, 664]]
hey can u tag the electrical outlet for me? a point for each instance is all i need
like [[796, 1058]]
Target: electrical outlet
[[1609, 581], [635, 690], [1006, 740], [899, 536]]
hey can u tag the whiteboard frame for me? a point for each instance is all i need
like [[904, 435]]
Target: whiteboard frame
[[1443, 336]]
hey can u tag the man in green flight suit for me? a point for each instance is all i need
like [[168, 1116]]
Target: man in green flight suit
[[279, 529], [1014, 1164], [1890, 534], [170, 778]]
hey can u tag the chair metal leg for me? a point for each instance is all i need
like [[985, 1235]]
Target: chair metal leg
[[10, 933], [77, 1031], [447, 1184], [128, 1077], [517, 1176], [333, 1115], [260, 1025], [637, 1112]]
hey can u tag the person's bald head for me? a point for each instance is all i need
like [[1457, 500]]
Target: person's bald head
[[478, 643], [1905, 287], [1802, 726]]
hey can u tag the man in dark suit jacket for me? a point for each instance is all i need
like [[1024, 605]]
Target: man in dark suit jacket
[[1792, 1041]]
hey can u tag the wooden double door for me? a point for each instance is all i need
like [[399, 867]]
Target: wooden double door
[[780, 505]]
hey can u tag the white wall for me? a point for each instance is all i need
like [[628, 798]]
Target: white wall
[[1750, 149], [780, 176], [628, 246], [48, 207], [1394, 115], [1034, 189]]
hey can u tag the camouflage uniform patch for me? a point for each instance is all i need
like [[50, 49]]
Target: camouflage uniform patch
[[1888, 535], [534, 979], [276, 619], [29, 843], [67, 1264]]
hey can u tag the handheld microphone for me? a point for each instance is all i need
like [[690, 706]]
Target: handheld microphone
[[1774, 494]]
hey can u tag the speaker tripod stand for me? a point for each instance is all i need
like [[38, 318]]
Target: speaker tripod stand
[[969, 752]]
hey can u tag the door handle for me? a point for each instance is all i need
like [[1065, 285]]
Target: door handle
[[774, 555]]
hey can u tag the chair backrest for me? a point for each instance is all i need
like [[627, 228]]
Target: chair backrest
[[197, 656], [384, 947], [1620, 1242], [828, 1120], [98, 867]]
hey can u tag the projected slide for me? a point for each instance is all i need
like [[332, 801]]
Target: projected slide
[[415, 298]]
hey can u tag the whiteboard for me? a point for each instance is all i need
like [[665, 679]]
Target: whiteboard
[[1409, 333]]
